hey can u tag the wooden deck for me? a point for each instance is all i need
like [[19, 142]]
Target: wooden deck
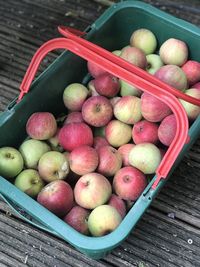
[[168, 235]]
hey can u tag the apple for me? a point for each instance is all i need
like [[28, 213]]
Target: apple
[[54, 142], [103, 220], [124, 150], [128, 89], [154, 63], [30, 182], [52, 166], [83, 159], [57, 197], [118, 133], [167, 130], [129, 183], [173, 76], [145, 131], [92, 190], [116, 52], [144, 39], [11, 162], [196, 85], [174, 51], [41, 125], [114, 100], [192, 111], [77, 218], [128, 109], [153, 109], [94, 69], [97, 111], [118, 203], [145, 157], [74, 95], [91, 88], [74, 116], [107, 85], [72, 177], [99, 142], [73, 135], [110, 161], [134, 56], [192, 71]]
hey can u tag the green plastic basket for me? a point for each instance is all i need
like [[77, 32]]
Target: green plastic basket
[[111, 31]]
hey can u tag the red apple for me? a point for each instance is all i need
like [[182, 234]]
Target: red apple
[[118, 133], [110, 161], [145, 131], [83, 159], [118, 203], [129, 183], [94, 69], [196, 85], [99, 141], [77, 217], [167, 130], [173, 76], [41, 125], [107, 85], [192, 71], [124, 150], [174, 51], [74, 116], [135, 56], [92, 190], [73, 135], [57, 197], [74, 95], [128, 109], [153, 109], [97, 111]]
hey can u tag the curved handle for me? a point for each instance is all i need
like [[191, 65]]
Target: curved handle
[[74, 35], [128, 76]]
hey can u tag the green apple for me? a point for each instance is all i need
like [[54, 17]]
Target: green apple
[[154, 63], [32, 150], [128, 89], [11, 162], [30, 182]]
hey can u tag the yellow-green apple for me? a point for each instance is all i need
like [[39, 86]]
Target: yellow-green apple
[[116, 52], [192, 71], [144, 39], [129, 183], [174, 51], [99, 141], [83, 159], [57, 197], [153, 109], [53, 165], [73, 135], [124, 150], [173, 76], [94, 69], [41, 125], [11, 162], [128, 89], [154, 63], [32, 150], [134, 56], [30, 182], [107, 85], [118, 133], [103, 220], [77, 218], [74, 116], [97, 111], [110, 161], [54, 142], [118, 203], [92, 190], [167, 130], [192, 111], [114, 100], [74, 95], [128, 109], [145, 131], [145, 157], [91, 88]]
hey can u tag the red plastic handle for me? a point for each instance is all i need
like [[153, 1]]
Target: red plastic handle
[[118, 71], [71, 34]]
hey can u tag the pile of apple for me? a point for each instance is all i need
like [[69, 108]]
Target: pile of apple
[[92, 167]]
